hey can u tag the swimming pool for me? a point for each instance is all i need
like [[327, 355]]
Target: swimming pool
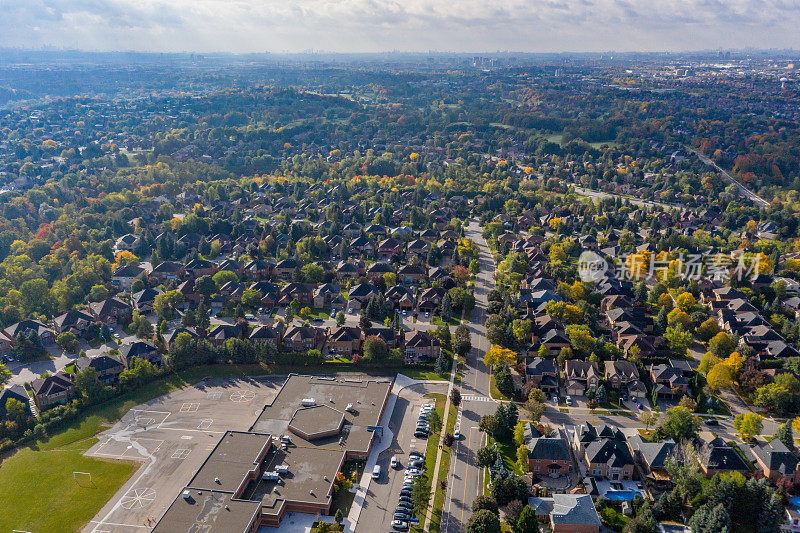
[[795, 501], [620, 495]]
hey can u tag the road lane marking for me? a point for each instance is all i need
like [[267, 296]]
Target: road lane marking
[[466, 467]]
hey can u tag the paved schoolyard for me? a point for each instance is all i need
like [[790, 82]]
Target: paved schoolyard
[[172, 436]]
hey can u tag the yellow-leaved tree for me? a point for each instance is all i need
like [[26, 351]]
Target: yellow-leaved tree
[[498, 354]]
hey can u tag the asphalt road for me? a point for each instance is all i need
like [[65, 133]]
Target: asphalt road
[[465, 479], [756, 199]]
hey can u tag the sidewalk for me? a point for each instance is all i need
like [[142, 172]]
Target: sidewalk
[[435, 476]]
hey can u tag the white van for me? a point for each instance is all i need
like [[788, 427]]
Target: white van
[[376, 472]]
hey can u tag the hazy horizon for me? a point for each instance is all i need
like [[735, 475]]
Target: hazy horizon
[[364, 26]]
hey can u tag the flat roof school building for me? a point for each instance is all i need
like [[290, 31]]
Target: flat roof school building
[[288, 460]]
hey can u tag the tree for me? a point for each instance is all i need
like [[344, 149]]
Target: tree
[[251, 299], [498, 354], [679, 340], [68, 341], [709, 519], [680, 424], [455, 397], [506, 489], [88, 384], [165, 304], [507, 417], [98, 293], [707, 329], [340, 318], [485, 502], [748, 425], [222, 277], [435, 421], [522, 457], [649, 418], [441, 363], [785, 434], [484, 521], [707, 362], [447, 307], [685, 302], [339, 516], [512, 511], [488, 424], [463, 342], [720, 377], [205, 286], [375, 350], [522, 330], [486, 456], [783, 395], [600, 395], [722, 344], [504, 380], [527, 521], [16, 411]]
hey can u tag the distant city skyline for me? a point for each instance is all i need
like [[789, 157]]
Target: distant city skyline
[[409, 25]]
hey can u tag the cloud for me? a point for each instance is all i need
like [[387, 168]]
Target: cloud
[[411, 25]]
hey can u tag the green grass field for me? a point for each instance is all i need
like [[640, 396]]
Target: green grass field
[[39, 493], [444, 468], [430, 454]]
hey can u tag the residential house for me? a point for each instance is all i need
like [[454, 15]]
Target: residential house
[[580, 376], [418, 248], [107, 367], [389, 249], [74, 321], [430, 299], [400, 298], [220, 333], [127, 243], [303, 338], [166, 271], [652, 458], [542, 373], [302, 292], [412, 274], [668, 382], [57, 389], [776, 461], [258, 269], [269, 334], [16, 392], [390, 336], [574, 513], [142, 349], [605, 452], [359, 296], [111, 310], [144, 299], [200, 267], [11, 333], [344, 340], [549, 456], [328, 295], [124, 277], [378, 270], [422, 347], [624, 376], [717, 456]]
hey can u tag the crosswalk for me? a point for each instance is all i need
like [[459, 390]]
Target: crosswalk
[[477, 398]]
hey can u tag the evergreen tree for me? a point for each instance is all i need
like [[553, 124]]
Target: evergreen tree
[[600, 395], [527, 522], [447, 307], [786, 435], [441, 363]]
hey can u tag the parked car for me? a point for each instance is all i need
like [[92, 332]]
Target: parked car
[[568, 400], [394, 462], [400, 525]]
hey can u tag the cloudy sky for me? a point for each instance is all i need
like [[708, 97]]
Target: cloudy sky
[[406, 25]]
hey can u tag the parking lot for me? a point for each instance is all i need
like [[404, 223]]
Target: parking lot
[[384, 493], [172, 436]]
